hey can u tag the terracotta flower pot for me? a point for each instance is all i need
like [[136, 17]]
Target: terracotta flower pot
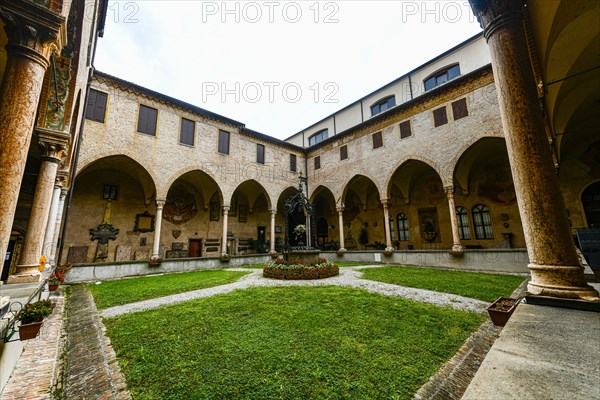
[[52, 286], [501, 310], [29, 331]]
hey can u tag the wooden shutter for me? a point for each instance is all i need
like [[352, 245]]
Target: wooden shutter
[[377, 140], [293, 162], [188, 130], [317, 162], [260, 153], [440, 117], [405, 130], [459, 109], [343, 152], [91, 104], [100, 108], [223, 142]]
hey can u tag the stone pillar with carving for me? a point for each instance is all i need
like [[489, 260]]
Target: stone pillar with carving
[[54, 145], [386, 218], [58, 223], [340, 211], [224, 240], [554, 265], [33, 34], [157, 227], [273, 214], [456, 246], [51, 225]]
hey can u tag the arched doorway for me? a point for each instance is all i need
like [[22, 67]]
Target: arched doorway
[[590, 199]]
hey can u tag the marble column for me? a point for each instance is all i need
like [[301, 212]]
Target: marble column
[[157, 228], [33, 33], [554, 265], [58, 223], [224, 240], [340, 211], [456, 246], [386, 217], [51, 225], [53, 145], [273, 213]]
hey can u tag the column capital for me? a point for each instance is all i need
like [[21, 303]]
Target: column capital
[[340, 209], [273, 211], [54, 144], [61, 178], [494, 14], [385, 203], [226, 209], [449, 190], [160, 203], [33, 31]]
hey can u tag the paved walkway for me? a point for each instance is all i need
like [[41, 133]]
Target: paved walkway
[[349, 277]]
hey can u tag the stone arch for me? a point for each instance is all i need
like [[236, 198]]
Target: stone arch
[[410, 172], [247, 186], [375, 182], [162, 193], [475, 154], [448, 171], [125, 164], [586, 218], [403, 162]]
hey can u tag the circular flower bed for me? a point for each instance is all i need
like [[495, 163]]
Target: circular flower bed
[[281, 269]]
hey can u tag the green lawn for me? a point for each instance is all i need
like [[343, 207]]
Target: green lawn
[[124, 291], [487, 287], [287, 343]]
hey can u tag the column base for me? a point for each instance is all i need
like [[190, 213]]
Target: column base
[[389, 249], [457, 248], [26, 274], [560, 281]]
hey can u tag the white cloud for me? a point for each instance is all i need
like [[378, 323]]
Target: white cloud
[[179, 47]]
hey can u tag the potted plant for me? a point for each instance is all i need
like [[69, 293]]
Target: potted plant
[[32, 317], [501, 310], [55, 279], [155, 261], [225, 257]]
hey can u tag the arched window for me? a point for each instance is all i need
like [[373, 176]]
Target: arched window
[[403, 234], [463, 223], [392, 230], [383, 105], [482, 222], [441, 76], [318, 137]]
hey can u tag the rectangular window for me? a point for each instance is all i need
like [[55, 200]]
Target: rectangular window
[[343, 152], [317, 162], [459, 109], [96, 106], [223, 142], [440, 117], [377, 140], [147, 120], [260, 153], [293, 162], [110, 192], [188, 129], [405, 130]]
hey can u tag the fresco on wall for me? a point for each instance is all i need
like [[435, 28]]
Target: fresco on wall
[[496, 183], [180, 206]]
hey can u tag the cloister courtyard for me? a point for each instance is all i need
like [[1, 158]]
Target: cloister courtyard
[[373, 331]]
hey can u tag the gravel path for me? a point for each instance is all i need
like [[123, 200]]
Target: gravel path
[[349, 277]]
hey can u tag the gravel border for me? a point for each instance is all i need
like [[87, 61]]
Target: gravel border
[[349, 277]]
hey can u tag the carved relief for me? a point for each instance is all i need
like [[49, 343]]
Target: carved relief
[[180, 206]]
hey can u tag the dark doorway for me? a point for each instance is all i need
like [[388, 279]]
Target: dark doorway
[[322, 232], [590, 198], [8, 259], [195, 248], [262, 234]]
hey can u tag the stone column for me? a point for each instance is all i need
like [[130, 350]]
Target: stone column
[[340, 211], [51, 225], [386, 217], [53, 145], [32, 32], [456, 246], [224, 240], [554, 265], [273, 213], [58, 223], [157, 227]]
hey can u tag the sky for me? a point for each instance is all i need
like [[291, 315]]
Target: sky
[[276, 66]]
